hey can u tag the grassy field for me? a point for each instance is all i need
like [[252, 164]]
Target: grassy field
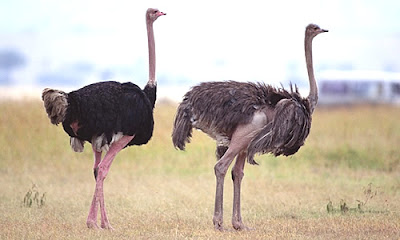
[[351, 159]]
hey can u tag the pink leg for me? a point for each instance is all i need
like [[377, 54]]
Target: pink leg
[[103, 169], [92, 218], [97, 160], [91, 221]]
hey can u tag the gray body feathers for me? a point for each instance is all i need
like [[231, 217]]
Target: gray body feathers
[[218, 108], [286, 133]]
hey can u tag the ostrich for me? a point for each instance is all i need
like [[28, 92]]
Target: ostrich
[[245, 119], [109, 115]]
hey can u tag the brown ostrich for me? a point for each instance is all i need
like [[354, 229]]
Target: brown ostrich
[[245, 119], [109, 115]]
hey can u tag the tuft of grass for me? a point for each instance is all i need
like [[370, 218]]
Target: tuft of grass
[[369, 193], [33, 198]]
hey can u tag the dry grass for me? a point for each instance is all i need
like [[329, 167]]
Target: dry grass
[[156, 192]]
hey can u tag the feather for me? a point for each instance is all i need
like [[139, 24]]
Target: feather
[[288, 130], [101, 111]]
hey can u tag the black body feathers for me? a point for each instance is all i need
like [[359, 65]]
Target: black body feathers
[[107, 108]]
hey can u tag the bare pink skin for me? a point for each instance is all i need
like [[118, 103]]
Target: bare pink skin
[[103, 167], [75, 127], [97, 160]]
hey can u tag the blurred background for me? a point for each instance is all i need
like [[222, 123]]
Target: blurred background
[[69, 44]]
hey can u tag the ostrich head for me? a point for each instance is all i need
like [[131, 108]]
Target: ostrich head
[[153, 13], [313, 30]]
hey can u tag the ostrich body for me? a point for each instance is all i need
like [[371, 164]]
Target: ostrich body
[[109, 115], [245, 119]]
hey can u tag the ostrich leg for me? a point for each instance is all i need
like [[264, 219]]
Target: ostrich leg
[[239, 142], [97, 160], [237, 176], [91, 220], [220, 169], [98, 196]]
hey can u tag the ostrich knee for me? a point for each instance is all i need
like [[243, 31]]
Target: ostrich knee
[[95, 172], [237, 175], [219, 172], [220, 169], [100, 173]]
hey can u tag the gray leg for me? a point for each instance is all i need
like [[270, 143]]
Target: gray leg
[[218, 217], [220, 169], [237, 176], [239, 142]]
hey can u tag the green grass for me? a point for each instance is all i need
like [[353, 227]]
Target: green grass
[[157, 192]]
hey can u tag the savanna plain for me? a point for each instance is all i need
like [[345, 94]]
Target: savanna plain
[[343, 184]]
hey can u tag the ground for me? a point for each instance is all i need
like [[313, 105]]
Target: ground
[[156, 192]]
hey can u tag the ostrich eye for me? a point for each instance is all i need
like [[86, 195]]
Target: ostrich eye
[[155, 11]]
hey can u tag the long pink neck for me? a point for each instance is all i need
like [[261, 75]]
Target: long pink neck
[[313, 96], [152, 54]]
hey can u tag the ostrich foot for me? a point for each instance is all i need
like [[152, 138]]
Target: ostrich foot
[[107, 226], [92, 224], [218, 223], [220, 227], [239, 226]]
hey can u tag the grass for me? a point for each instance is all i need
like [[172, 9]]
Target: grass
[[157, 192]]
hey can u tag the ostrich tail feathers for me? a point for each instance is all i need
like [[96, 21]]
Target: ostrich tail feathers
[[55, 103], [259, 143], [182, 131]]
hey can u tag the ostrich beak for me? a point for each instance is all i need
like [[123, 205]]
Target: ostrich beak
[[324, 30], [161, 14]]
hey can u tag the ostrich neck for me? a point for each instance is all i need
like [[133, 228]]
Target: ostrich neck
[[313, 96], [152, 54]]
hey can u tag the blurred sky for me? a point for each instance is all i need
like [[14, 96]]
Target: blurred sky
[[202, 40]]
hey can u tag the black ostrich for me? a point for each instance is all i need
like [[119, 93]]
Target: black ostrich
[[245, 119], [109, 115]]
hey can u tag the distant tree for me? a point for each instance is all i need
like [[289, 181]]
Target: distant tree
[[9, 60]]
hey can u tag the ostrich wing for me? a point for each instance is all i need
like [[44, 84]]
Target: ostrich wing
[[286, 133]]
